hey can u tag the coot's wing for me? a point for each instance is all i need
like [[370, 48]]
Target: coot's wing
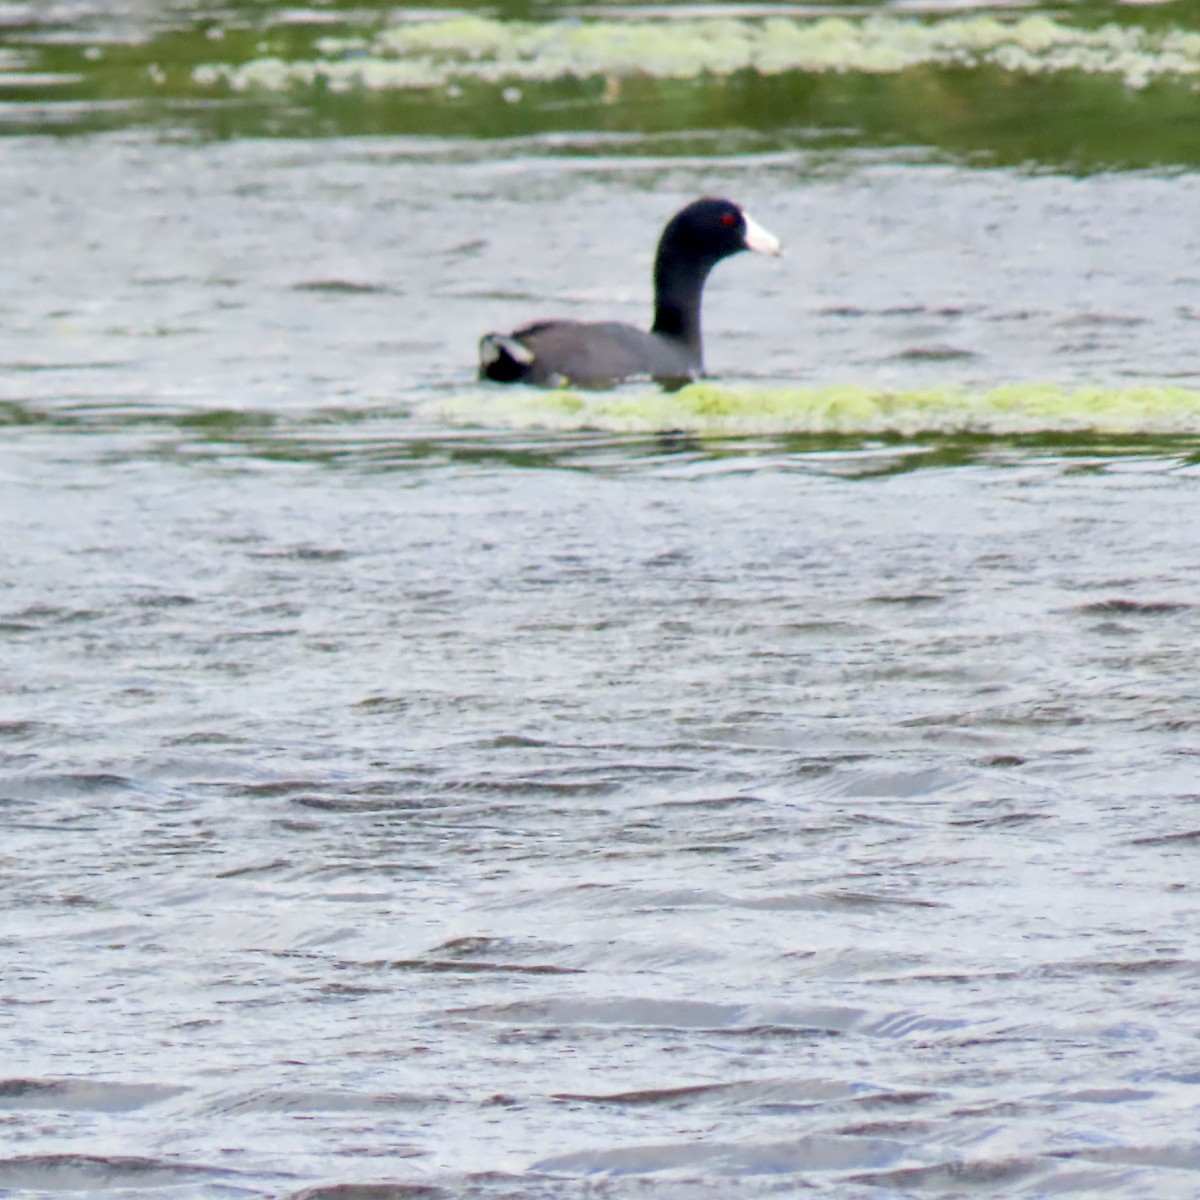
[[584, 353]]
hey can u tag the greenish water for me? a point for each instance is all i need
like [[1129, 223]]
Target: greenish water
[[1087, 88], [568, 431]]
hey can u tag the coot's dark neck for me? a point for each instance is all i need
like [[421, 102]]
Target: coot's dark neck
[[679, 275]]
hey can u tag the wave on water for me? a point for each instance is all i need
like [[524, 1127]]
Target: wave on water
[[720, 410]]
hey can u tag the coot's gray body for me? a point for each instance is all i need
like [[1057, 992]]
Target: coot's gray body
[[593, 354]]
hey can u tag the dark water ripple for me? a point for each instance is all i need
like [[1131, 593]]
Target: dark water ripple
[[491, 827]]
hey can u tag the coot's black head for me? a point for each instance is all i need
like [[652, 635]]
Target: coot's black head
[[711, 229]]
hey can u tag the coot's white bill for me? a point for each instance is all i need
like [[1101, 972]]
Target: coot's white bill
[[759, 239]]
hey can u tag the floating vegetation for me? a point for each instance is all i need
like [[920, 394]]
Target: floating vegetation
[[1081, 89], [420, 54], [716, 410]]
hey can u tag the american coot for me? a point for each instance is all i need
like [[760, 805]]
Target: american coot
[[598, 353]]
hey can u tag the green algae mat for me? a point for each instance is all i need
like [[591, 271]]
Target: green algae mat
[[1083, 88], [710, 409]]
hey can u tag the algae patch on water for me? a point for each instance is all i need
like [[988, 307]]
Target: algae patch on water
[[709, 409], [420, 53]]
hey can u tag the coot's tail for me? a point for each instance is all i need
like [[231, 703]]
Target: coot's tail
[[503, 359]]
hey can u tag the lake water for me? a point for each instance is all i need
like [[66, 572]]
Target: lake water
[[417, 790]]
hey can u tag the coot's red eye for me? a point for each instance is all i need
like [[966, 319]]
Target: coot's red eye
[[728, 219]]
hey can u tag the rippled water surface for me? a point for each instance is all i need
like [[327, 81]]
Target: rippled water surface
[[410, 789]]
